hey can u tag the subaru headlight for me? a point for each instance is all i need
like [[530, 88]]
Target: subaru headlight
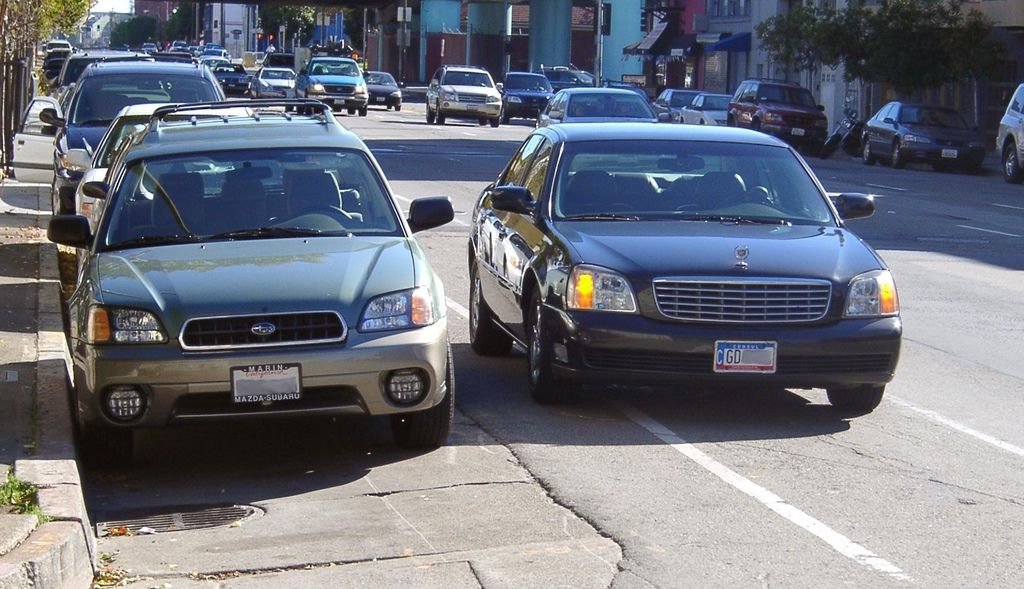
[[316, 88], [514, 99], [114, 325], [400, 310], [596, 289], [873, 294], [494, 99], [911, 138]]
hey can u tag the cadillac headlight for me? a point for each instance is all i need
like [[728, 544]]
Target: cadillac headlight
[[514, 100], [911, 138], [400, 310], [396, 94], [317, 88], [596, 289], [873, 294], [111, 325]]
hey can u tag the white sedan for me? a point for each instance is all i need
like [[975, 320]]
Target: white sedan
[[273, 82], [706, 109]]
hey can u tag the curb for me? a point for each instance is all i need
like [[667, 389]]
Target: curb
[[59, 554]]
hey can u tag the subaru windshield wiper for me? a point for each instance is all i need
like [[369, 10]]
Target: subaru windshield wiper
[[272, 232], [737, 219], [146, 240], [601, 217]]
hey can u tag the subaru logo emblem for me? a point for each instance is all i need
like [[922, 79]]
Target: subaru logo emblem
[[742, 253], [263, 328]]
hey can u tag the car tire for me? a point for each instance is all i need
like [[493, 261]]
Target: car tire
[[755, 124], [866, 156], [897, 160], [539, 353], [398, 107], [486, 338], [495, 122], [105, 447], [428, 428], [362, 111], [481, 121], [505, 118], [440, 118], [1012, 171], [431, 117], [856, 400], [351, 111]]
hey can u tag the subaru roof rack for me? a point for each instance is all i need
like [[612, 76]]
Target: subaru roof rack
[[301, 104]]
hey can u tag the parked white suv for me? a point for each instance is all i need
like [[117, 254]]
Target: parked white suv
[[1010, 139], [464, 92]]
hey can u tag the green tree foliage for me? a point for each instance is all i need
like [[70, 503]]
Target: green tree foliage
[[908, 44], [294, 18], [134, 32], [180, 24], [62, 16]]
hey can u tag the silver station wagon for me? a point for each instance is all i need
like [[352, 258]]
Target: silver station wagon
[[253, 266]]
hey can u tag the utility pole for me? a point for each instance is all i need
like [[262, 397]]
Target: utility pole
[[403, 38]]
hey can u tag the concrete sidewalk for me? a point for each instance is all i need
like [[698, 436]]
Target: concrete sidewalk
[[35, 424]]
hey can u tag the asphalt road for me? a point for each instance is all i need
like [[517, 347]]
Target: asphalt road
[[637, 488]]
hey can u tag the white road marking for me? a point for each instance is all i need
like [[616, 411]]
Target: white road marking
[[885, 187], [837, 541], [996, 204], [964, 429], [459, 309], [989, 231], [470, 134]]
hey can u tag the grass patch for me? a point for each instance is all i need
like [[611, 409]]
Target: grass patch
[[20, 497]]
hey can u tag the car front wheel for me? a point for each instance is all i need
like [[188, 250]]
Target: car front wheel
[[543, 387], [867, 157], [1012, 172], [897, 160], [856, 400], [430, 116], [428, 428]]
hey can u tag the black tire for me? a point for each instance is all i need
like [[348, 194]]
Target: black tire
[[440, 118], [1012, 171], [431, 117], [485, 337], [362, 111], [830, 146], [505, 118], [350, 111], [398, 107], [866, 156], [539, 353], [856, 400], [428, 428], [495, 122], [897, 160], [105, 447], [482, 121]]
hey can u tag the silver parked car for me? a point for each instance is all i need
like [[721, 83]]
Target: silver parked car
[[706, 109], [254, 266], [1010, 139]]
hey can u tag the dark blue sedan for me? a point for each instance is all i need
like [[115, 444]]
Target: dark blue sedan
[[524, 95], [682, 255]]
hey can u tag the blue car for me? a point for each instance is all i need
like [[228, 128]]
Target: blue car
[[336, 81], [524, 95]]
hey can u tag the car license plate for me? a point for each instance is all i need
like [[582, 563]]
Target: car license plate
[[380, 98], [472, 107], [949, 153], [798, 132], [257, 383], [757, 357]]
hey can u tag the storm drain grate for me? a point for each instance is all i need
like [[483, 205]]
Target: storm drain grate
[[178, 521]]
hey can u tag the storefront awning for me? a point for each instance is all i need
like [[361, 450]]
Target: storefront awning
[[653, 42], [738, 43]]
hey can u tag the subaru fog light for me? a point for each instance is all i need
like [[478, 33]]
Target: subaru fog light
[[125, 402], [406, 386]]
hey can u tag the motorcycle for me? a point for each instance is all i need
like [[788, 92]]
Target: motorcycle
[[848, 134]]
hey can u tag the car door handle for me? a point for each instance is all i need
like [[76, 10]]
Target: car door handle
[[21, 142]]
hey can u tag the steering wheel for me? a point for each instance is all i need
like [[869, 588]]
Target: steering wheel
[[760, 195]]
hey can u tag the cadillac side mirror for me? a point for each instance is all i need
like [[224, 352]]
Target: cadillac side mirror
[[512, 199]]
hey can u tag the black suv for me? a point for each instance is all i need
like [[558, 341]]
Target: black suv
[[783, 109], [101, 92], [562, 77]]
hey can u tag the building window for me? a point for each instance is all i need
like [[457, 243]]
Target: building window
[[728, 7]]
